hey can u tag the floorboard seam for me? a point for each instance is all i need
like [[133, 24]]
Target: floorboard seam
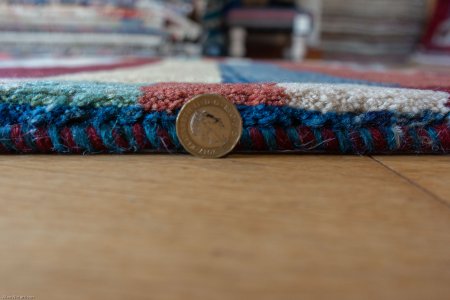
[[425, 190]]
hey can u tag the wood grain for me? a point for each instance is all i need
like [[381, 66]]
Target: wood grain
[[430, 172], [245, 227]]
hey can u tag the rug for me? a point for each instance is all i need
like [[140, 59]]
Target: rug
[[117, 105]]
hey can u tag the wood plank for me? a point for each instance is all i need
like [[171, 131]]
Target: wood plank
[[430, 172], [245, 227]]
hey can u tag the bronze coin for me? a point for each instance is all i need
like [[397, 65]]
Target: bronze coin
[[209, 126]]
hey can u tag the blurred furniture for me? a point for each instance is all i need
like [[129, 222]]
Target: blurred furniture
[[268, 26], [437, 35], [435, 45], [272, 23]]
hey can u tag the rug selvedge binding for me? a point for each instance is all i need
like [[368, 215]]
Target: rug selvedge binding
[[113, 118]]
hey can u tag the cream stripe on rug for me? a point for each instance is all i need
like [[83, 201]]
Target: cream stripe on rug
[[165, 71], [362, 98]]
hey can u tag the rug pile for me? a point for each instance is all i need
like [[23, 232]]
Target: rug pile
[[112, 105]]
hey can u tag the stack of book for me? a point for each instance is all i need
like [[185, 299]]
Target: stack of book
[[372, 28], [91, 26]]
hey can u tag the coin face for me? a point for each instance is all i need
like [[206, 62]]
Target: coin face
[[209, 126]]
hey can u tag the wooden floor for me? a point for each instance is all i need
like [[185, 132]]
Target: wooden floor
[[245, 227]]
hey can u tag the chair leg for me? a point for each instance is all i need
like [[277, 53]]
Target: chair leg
[[237, 41], [298, 49]]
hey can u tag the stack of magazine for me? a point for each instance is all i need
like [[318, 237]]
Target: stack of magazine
[[372, 28], [125, 27]]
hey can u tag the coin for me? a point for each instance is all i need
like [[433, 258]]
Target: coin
[[209, 126]]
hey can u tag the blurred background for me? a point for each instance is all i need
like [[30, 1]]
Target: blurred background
[[386, 31]]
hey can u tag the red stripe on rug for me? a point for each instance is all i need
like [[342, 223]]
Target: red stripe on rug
[[28, 72], [18, 139], [283, 141], [307, 137], [171, 96], [406, 141], [68, 141], [165, 139], [120, 140], [257, 138], [443, 132], [43, 142], [379, 141], [95, 139], [329, 139], [139, 135], [357, 142], [425, 140]]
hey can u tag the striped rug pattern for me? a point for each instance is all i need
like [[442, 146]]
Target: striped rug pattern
[[112, 105]]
